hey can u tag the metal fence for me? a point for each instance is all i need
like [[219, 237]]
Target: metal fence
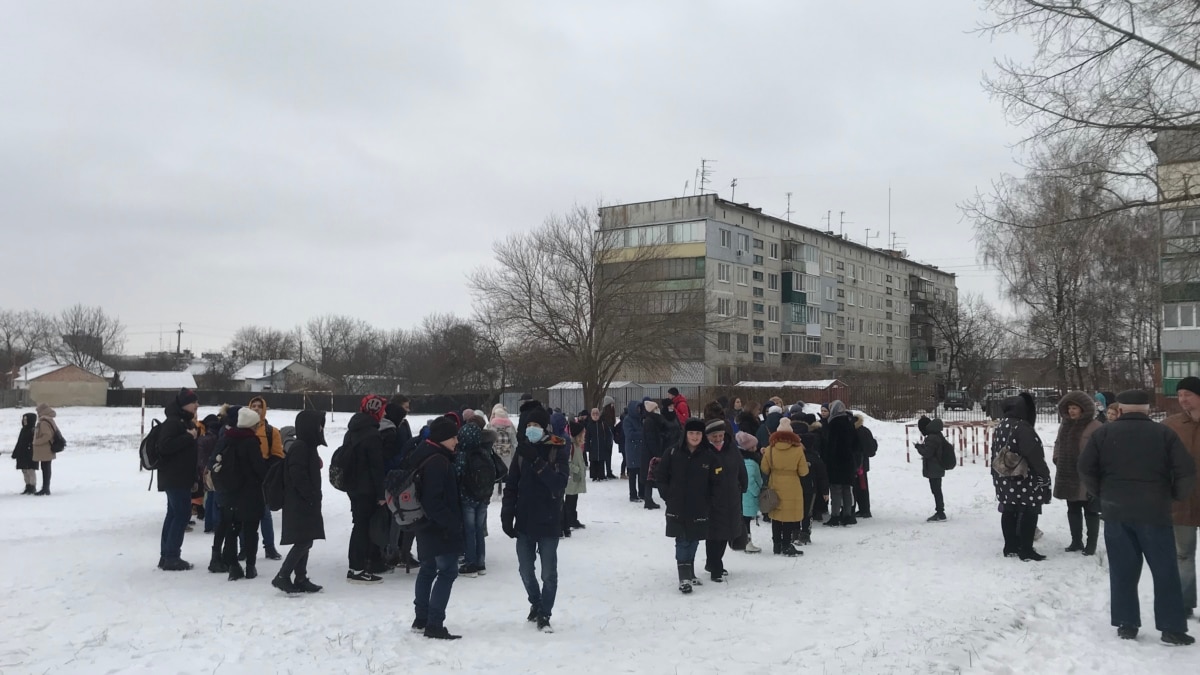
[[14, 398], [324, 401]]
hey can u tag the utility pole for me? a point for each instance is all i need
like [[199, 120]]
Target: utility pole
[[179, 340], [788, 214], [733, 190]]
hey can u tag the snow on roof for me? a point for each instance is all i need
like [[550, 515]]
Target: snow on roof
[[789, 384], [577, 385], [257, 370], [44, 365], [199, 367], [148, 379]]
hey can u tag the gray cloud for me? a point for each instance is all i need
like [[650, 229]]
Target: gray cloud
[[227, 163]]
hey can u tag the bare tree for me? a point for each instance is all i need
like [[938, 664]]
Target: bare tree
[[344, 347], [18, 341], [1109, 75], [253, 343], [82, 335], [576, 294]]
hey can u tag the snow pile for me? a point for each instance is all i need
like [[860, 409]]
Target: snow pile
[[890, 595]]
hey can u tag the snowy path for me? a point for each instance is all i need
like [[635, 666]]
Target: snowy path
[[891, 595]]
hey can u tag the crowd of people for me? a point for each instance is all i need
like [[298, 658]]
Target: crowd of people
[[716, 473]]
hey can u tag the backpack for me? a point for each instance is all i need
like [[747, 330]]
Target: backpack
[[148, 451], [947, 458], [288, 434], [274, 484], [58, 443], [225, 473], [270, 439], [481, 471], [339, 468], [400, 488]]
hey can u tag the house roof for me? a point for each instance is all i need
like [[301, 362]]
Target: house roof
[[199, 367], [578, 385], [259, 370], [789, 384], [45, 365], [148, 379]]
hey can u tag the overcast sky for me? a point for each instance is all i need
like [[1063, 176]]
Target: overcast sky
[[231, 163]]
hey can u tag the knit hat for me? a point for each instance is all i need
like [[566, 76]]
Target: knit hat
[[469, 436], [540, 417], [746, 442], [714, 426], [694, 425], [650, 406], [785, 424], [454, 417], [1134, 397], [247, 418], [188, 396], [576, 428], [1191, 384], [231, 415], [442, 429], [395, 412], [373, 405], [467, 414]]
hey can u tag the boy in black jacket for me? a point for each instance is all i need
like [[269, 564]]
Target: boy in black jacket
[[931, 450]]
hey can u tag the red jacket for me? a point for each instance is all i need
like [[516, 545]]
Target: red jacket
[[681, 409]]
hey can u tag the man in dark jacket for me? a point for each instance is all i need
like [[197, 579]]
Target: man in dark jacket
[[532, 510], [1136, 468], [302, 520], [365, 488], [688, 474], [868, 445], [598, 441], [177, 476], [440, 540], [843, 457], [631, 426], [654, 440], [239, 456], [725, 522]]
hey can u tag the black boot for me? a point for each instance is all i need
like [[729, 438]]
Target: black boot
[[1028, 531], [29, 490], [1075, 523], [284, 584], [685, 578], [215, 565], [306, 586], [1012, 537], [1093, 532], [251, 562]]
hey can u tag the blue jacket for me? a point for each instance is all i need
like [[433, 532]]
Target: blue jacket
[[533, 491], [753, 487], [632, 427]]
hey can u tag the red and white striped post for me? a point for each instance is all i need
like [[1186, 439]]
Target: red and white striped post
[[907, 446], [143, 430]]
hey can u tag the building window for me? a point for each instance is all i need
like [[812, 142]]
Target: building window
[[759, 308], [757, 276], [743, 242], [724, 306], [726, 238], [759, 341], [841, 266], [759, 357], [841, 348], [773, 313], [841, 293], [851, 351], [743, 276], [774, 252], [723, 272], [889, 278], [758, 292], [829, 292], [743, 343], [758, 260], [773, 345], [850, 325], [841, 306], [828, 349], [743, 309], [758, 324], [1180, 315], [828, 265], [722, 342], [861, 349], [828, 319], [812, 345], [758, 244], [773, 281]]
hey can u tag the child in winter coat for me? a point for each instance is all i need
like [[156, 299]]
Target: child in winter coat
[[23, 453], [748, 444], [577, 481], [931, 449]]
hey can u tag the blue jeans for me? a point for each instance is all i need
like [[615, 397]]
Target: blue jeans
[[475, 526], [434, 582], [685, 550], [268, 530], [528, 547], [1127, 545], [179, 512], [212, 512]]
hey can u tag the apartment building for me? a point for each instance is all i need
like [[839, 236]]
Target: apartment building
[[1178, 178], [780, 297]]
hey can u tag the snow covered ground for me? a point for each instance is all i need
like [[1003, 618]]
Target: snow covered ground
[[890, 595]]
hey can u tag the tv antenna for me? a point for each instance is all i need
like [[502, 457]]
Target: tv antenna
[[842, 223], [828, 224], [788, 214], [704, 174], [733, 190], [870, 236]]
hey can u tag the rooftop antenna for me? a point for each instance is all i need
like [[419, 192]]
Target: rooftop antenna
[[889, 213], [828, 218], [179, 339], [696, 184], [705, 172], [686, 183], [733, 190], [870, 236], [842, 223]]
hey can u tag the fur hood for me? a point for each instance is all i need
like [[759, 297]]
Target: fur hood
[[859, 420], [786, 438], [44, 410], [1086, 403]]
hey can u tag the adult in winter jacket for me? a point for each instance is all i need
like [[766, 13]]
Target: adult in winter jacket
[[654, 443], [241, 471], [843, 458], [23, 453], [177, 476], [43, 443], [681, 405], [471, 442], [271, 444], [440, 540], [364, 487], [1077, 413], [1137, 468], [302, 520], [752, 458], [598, 442], [395, 432], [506, 441], [689, 478], [577, 484], [631, 426], [785, 465], [608, 414], [533, 506], [725, 522], [1021, 496], [206, 442], [1185, 514], [816, 483], [862, 487], [931, 450], [769, 426]]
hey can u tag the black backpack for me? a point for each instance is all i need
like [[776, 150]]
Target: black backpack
[[58, 443], [339, 467], [274, 485], [148, 451], [947, 458], [225, 470], [481, 471]]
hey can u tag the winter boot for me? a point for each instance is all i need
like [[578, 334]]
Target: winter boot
[[751, 548], [284, 584], [1177, 639], [306, 586], [834, 521], [1127, 632], [235, 572], [1093, 532], [790, 551], [1028, 534], [543, 624], [849, 520], [251, 562], [1075, 523], [273, 554], [938, 517], [685, 578], [805, 538], [215, 565], [29, 489], [1012, 537], [43, 492], [440, 633]]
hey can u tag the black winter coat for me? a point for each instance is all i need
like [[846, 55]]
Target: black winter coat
[[843, 454], [242, 447], [1021, 493], [23, 451], [768, 427], [688, 482], [930, 450], [177, 450], [654, 436], [533, 491], [302, 520], [599, 440], [437, 488], [1136, 468], [366, 452], [725, 520], [866, 442]]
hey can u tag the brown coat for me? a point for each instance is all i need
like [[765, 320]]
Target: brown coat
[[784, 463], [43, 434], [1067, 484], [1186, 513]]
